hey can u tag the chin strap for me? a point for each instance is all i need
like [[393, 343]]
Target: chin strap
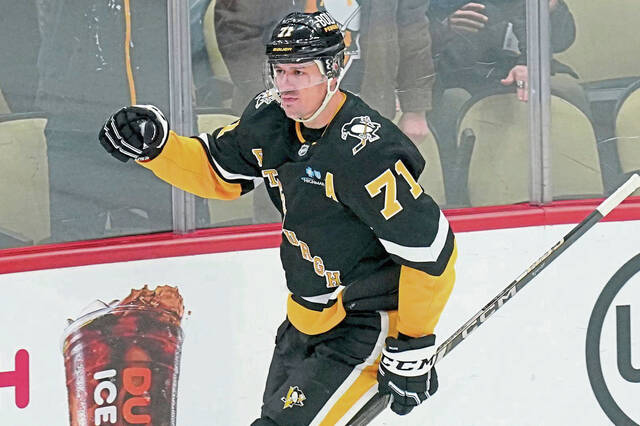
[[324, 103]]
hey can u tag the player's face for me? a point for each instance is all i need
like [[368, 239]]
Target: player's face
[[302, 88]]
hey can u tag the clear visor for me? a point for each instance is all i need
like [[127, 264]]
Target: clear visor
[[289, 77]]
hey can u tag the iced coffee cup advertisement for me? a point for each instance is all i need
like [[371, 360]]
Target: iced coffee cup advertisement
[[122, 359], [565, 350]]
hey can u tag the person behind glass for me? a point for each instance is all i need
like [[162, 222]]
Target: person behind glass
[[20, 40], [83, 76], [388, 51], [483, 43], [480, 48], [210, 90], [368, 256]]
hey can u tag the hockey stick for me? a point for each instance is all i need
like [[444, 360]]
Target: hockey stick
[[379, 402]]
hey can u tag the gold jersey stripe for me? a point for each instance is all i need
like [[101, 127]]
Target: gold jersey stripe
[[313, 322], [299, 133], [184, 164], [422, 297]]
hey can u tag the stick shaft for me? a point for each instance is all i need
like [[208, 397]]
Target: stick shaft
[[507, 294]]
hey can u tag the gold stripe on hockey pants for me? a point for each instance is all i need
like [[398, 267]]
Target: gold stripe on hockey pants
[[361, 385]]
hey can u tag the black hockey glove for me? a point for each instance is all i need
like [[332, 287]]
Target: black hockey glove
[[138, 132], [405, 371]]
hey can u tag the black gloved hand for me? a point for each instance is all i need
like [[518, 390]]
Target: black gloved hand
[[137, 131], [406, 373]]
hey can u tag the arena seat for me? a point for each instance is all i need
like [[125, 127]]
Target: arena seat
[[209, 119], [4, 107], [493, 139], [606, 44], [605, 57], [24, 211], [628, 130]]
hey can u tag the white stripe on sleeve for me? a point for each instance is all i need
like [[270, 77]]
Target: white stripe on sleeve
[[226, 175], [421, 254], [325, 298]]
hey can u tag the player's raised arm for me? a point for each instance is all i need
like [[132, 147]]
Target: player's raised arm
[[210, 166]]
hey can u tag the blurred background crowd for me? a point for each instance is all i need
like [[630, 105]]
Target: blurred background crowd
[[455, 75]]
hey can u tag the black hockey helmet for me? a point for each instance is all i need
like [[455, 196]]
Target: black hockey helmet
[[303, 37]]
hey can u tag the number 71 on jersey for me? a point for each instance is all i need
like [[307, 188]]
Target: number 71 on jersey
[[387, 179]]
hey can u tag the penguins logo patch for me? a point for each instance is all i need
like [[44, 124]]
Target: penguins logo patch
[[294, 397], [361, 128], [264, 98]]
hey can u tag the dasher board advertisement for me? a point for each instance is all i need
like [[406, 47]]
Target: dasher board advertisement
[[566, 350]]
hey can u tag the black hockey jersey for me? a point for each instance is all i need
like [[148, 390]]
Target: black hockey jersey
[[359, 233]]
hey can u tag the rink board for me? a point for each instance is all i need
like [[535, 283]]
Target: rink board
[[527, 365]]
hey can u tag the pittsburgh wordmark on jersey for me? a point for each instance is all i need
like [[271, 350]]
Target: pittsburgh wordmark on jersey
[[332, 277]]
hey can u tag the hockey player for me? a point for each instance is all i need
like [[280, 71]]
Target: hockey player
[[368, 256]]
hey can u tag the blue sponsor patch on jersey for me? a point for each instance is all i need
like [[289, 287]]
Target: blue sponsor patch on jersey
[[312, 176]]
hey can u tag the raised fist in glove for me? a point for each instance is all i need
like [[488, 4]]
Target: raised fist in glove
[[137, 131], [406, 373]]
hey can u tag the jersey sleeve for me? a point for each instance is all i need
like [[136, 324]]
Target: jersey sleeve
[[381, 188], [220, 164]]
